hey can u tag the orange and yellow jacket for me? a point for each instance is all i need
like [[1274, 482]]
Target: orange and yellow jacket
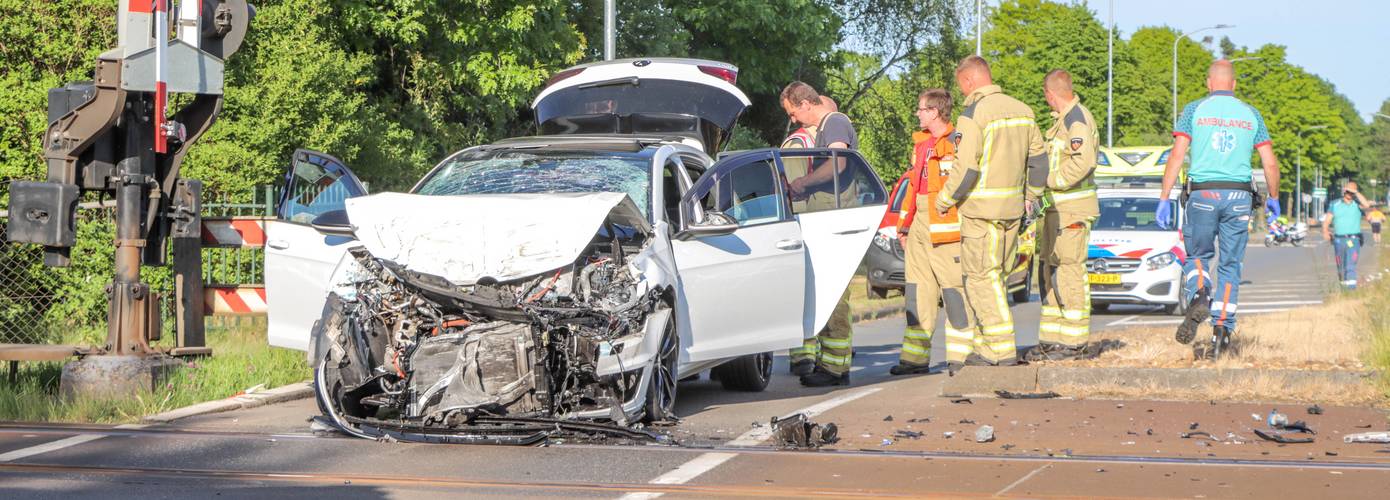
[[932, 158]]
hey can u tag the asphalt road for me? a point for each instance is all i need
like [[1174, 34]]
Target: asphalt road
[[1043, 448]]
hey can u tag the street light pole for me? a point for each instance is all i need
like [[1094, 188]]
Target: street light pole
[[1299, 187], [979, 30], [610, 29], [1110, 84], [1175, 63]]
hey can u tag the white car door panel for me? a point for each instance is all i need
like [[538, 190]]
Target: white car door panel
[[299, 260], [838, 216], [742, 292]]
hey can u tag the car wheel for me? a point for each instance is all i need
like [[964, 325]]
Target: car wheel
[[1100, 307], [876, 292], [1021, 295], [661, 388], [749, 373], [1269, 242], [329, 392], [1178, 309], [1298, 242]]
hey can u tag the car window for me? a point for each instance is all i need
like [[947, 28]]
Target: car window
[[748, 194], [1129, 214], [898, 196], [316, 184], [811, 190], [529, 171]]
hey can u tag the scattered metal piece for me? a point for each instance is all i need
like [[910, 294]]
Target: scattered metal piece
[[1026, 395], [1149, 432], [1367, 426], [1008, 447], [966, 421], [888, 418], [962, 401], [1367, 437], [798, 431], [1330, 453], [1193, 426], [886, 442], [984, 434], [1277, 420], [948, 434], [1299, 426], [903, 433], [1198, 434], [1280, 437], [916, 420], [1315, 410]]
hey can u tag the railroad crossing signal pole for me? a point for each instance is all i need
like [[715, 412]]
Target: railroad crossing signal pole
[[113, 135]]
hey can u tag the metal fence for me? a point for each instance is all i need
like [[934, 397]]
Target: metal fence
[[49, 305]]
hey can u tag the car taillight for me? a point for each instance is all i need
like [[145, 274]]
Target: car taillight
[[726, 74], [563, 75]]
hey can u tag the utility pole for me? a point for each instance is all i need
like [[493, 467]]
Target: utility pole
[[113, 136], [1110, 84], [1302, 212], [610, 29], [979, 29]]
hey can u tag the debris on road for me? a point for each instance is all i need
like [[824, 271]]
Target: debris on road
[[1281, 437], [948, 434], [1198, 434], [916, 420], [888, 418], [1315, 410], [798, 431], [906, 434], [984, 434], [966, 421], [1193, 426], [1299, 426], [958, 401], [1277, 420], [1367, 437], [1026, 395]]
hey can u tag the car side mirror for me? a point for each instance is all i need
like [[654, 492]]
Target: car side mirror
[[715, 224], [333, 223]]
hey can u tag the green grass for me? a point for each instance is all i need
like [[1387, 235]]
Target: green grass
[[1377, 294], [241, 359]]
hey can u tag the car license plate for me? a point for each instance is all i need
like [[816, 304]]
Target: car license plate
[[1103, 279]]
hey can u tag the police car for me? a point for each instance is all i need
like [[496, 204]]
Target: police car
[[1130, 259]]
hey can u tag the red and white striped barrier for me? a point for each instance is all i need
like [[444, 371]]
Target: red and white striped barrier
[[236, 232], [234, 300]]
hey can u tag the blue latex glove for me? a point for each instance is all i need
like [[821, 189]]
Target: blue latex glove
[[1272, 205], [1164, 214]]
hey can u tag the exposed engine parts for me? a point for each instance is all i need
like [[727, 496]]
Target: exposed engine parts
[[412, 353]]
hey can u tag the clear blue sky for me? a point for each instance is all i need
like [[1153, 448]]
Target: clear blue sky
[[1346, 42]]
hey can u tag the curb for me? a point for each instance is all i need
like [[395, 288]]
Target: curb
[[982, 381], [277, 395]]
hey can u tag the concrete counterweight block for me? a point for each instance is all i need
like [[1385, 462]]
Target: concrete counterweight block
[[114, 376]]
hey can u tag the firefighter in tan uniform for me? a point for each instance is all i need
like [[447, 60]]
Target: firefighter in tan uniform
[[807, 187], [999, 150], [803, 359], [1071, 209], [932, 242]]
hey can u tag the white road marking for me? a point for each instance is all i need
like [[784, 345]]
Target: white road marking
[[1022, 479], [59, 444], [1278, 303], [708, 461]]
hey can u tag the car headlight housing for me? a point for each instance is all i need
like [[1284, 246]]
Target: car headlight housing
[[881, 241], [1160, 261]]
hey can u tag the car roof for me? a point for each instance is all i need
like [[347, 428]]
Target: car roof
[[1133, 192], [617, 143]]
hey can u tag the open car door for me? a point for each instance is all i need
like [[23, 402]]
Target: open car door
[[838, 215], [741, 262], [299, 260]]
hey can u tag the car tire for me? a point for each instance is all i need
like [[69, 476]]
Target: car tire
[[1298, 242], [661, 386], [1022, 295], [750, 373], [1100, 308], [1178, 309], [875, 292]]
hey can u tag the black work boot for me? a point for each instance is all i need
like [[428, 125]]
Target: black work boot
[[1220, 340], [1198, 312], [1041, 352], [909, 368], [822, 378], [977, 360], [952, 367], [803, 367]]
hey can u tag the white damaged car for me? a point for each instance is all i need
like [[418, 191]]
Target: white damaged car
[[565, 281]]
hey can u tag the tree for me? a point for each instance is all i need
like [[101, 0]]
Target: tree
[[1152, 48]]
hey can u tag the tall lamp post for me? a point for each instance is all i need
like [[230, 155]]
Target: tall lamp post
[[1387, 185], [1110, 83], [1301, 212], [979, 29], [1175, 63]]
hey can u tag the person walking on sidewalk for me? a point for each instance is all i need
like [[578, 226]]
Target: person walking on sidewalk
[[1222, 132], [1377, 219], [1342, 226], [932, 244], [998, 147], [1066, 232], [802, 104]]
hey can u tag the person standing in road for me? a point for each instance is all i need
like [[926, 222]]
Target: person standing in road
[[1066, 232], [1222, 132], [803, 359], [1342, 226], [998, 147], [802, 104], [1376, 218], [932, 244]]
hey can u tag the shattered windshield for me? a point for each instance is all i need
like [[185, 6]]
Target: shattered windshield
[[509, 172]]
